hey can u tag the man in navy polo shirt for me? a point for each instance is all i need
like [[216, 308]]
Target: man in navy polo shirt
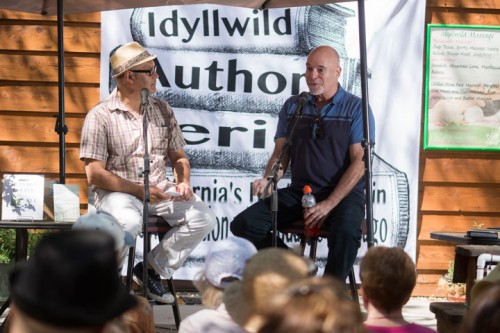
[[325, 153]]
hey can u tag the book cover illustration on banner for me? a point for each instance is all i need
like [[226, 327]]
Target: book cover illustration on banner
[[22, 197]]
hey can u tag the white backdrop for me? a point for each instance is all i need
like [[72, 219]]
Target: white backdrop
[[226, 71]]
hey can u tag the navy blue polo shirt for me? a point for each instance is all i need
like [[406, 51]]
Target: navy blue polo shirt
[[319, 159]]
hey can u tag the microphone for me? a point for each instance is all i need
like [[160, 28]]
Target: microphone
[[144, 96], [304, 97]]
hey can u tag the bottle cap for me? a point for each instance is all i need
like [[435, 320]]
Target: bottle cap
[[307, 189]]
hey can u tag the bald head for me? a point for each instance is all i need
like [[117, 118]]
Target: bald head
[[323, 72], [327, 52]]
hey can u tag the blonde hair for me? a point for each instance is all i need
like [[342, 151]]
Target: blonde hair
[[313, 305], [211, 296]]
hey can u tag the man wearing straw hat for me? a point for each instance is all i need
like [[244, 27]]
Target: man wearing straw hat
[[112, 148]]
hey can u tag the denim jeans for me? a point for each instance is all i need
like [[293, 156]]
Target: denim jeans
[[344, 225]]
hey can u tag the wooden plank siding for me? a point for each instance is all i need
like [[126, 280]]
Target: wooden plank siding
[[457, 189], [29, 92]]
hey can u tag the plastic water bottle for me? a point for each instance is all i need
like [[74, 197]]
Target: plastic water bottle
[[308, 201]]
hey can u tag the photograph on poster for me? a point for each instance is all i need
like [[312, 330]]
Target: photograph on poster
[[462, 103]]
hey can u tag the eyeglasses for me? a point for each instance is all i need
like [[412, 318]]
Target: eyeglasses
[[318, 132], [148, 72]]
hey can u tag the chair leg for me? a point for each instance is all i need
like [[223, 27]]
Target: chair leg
[[353, 286], [175, 305], [130, 266], [314, 246], [302, 244], [352, 275]]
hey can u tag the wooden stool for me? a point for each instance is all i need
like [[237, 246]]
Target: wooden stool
[[156, 225], [297, 228]]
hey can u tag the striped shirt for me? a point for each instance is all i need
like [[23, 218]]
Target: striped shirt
[[114, 135]]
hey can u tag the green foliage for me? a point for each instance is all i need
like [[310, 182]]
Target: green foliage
[[8, 243]]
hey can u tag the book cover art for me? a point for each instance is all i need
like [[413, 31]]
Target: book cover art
[[66, 203], [22, 197]]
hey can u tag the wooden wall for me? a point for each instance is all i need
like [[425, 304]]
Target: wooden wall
[[457, 189], [29, 92]]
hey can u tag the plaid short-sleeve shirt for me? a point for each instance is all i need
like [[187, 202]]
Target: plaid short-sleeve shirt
[[114, 135]]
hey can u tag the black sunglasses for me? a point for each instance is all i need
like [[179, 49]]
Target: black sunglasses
[[149, 72], [318, 128]]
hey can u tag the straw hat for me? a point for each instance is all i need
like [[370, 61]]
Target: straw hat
[[265, 275], [128, 56]]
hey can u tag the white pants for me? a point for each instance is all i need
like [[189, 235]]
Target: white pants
[[191, 221]]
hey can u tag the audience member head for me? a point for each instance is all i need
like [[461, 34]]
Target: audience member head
[[68, 285], [105, 222], [265, 275], [224, 263], [484, 314], [314, 305], [480, 286], [388, 276]]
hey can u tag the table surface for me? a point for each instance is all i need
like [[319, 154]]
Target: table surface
[[462, 238], [35, 225]]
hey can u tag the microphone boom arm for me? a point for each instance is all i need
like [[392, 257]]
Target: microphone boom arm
[[273, 175], [272, 179]]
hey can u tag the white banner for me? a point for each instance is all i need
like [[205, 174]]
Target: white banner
[[226, 72]]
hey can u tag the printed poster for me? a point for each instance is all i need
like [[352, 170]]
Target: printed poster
[[463, 88], [226, 71]]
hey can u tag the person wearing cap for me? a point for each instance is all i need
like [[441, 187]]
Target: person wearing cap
[[224, 264], [140, 318], [113, 151], [69, 285]]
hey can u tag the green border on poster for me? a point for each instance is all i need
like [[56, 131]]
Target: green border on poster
[[426, 144]]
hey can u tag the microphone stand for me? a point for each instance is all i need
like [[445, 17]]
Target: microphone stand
[[144, 172], [272, 179]]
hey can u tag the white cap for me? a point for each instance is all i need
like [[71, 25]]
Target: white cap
[[105, 222], [226, 259]]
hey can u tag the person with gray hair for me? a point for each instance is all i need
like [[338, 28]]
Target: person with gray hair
[[140, 318], [323, 130]]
